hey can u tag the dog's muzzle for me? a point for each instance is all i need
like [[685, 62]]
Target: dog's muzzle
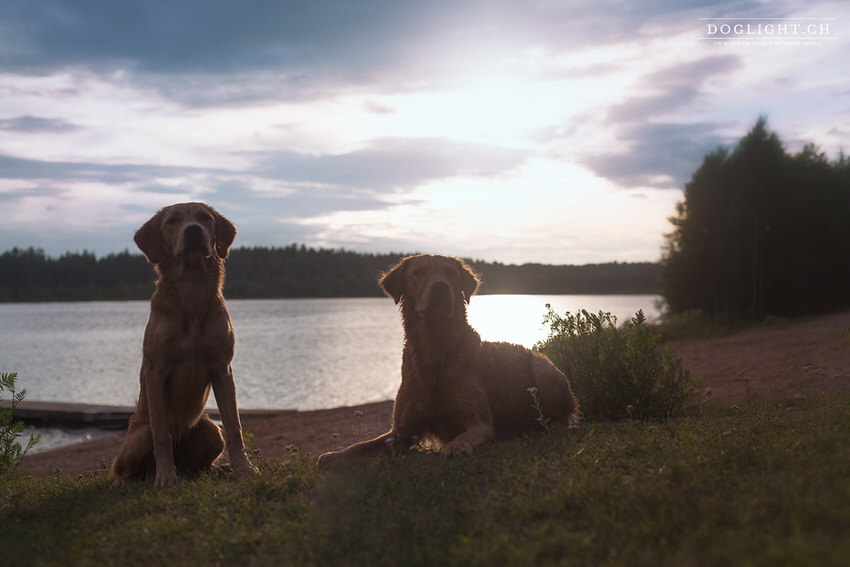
[[194, 240], [439, 301]]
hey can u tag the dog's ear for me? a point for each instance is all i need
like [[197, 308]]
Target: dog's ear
[[392, 281], [149, 239], [225, 234], [469, 281]]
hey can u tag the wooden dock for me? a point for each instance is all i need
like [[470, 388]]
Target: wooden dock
[[70, 414], [61, 414]]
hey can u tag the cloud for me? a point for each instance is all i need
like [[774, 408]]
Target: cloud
[[660, 151], [384, 165], [392, 163], [378, 108], [265, 198], [675, 87], [20, 168], [660, 155], [37, 125], [642, 108], [283, 190], [272, 50], [301, 43], [695, 72]]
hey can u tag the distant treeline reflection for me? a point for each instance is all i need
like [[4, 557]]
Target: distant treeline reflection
[[291, 272]]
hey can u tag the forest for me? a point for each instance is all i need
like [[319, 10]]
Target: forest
[[761, 232], [292, 272]]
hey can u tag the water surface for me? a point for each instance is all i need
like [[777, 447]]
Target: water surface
[[295, 354]]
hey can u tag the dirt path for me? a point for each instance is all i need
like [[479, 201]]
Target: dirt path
[[788, 360], [794, 359]]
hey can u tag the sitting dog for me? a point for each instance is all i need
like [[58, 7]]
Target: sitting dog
[[457, 390], [187, 349]]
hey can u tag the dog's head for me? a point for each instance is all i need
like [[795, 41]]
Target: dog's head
[[436, 287], [185, 230]]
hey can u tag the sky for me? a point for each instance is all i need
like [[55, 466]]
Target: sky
[[547, 131]]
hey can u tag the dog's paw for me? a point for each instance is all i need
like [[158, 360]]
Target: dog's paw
[[456, 448], [333, 459], [165, 480], [245, 469], [325, 460]]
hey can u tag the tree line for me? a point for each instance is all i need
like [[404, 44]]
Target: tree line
[[761, 232], [291, 272]]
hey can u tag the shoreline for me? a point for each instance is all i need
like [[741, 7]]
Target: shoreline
[[102, 416], [791, 359], [274, 433]]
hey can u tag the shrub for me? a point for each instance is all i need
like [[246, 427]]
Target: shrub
[[11, 451], [617, 373]]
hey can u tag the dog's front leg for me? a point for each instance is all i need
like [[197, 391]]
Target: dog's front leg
[[466, 442], [470, 409], [381, 444], [163, 442], [224, 389]]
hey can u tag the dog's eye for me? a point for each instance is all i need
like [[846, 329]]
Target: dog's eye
[[172, 220], [418, 272], [204, 217]]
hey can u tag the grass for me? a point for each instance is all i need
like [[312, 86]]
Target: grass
[[764, 484], [695, 324]]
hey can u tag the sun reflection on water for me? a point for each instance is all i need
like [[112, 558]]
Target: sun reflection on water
[[519, 318]]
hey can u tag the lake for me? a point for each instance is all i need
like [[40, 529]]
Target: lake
[[290, 353]]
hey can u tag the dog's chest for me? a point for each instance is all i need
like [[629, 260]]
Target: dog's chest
[[436, 383], [203, 342]]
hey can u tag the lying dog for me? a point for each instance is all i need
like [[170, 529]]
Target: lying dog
[[187, 349], [455, 389]]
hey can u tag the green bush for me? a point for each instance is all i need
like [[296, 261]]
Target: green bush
[[11, 451], [617, 373]]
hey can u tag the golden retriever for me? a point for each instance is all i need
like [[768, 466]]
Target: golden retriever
[[457, 390], [187, 349]]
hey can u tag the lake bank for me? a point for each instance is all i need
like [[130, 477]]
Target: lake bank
[[788, 360]]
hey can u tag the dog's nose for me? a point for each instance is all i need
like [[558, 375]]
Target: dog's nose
[[193, 235], [193, 230], [440, 296], [440, 289]]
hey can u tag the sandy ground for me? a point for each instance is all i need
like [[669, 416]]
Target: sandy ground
[[794, 359]]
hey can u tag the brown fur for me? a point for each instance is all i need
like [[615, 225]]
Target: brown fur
[[187, 350], [457, 390]]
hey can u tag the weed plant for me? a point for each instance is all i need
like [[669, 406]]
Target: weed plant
[[618, 372], [11, 451]]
